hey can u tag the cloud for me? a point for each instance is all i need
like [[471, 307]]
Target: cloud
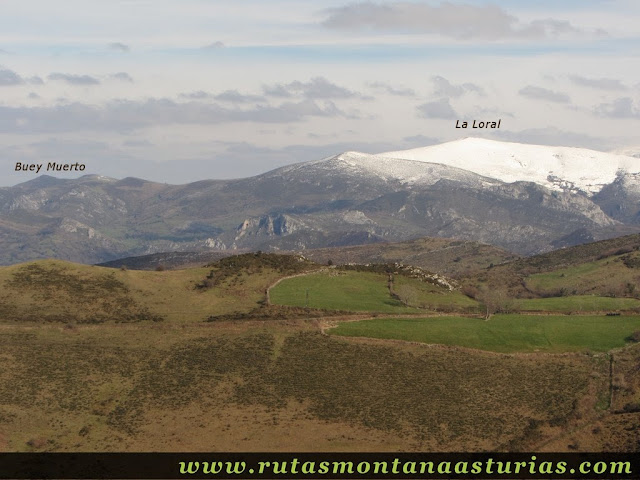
[[620, 108], [120, 47], [137, 143], [234, 96], [74, 79], [9, 78], [494, 112], [472, 87], [600, 83], [444, 88], [549, 28], [214, 46], [420, 141], [127, 115], [199, 95], [55, 149], [438, 109], [122, 76], [400, 92], [539, 93], [451, 20], [279, 91], [34, 96], [316, 88]]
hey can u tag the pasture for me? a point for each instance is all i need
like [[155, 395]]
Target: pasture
[[503, 333], [367, 291]]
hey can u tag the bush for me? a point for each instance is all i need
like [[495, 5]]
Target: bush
[[631, 408], [634, 337]]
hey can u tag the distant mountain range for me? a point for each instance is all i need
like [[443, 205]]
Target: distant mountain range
[[523, 198]]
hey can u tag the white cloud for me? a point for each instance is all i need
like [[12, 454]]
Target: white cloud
[[599, 83], [122, 76], [233, 96], [441, 109], [119, 47], [623, 107], [444, 88], [73, 79], [214, 46], [316, 88], [9, 77], [460, 21], [391, 90], [540, 93], [127, 115]]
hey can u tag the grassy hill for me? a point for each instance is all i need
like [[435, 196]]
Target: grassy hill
[[343, 289], [103, 359], [55, 291], [600, 268]]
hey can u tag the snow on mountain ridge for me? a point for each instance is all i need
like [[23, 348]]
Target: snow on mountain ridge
[[558, 168], [407, 171]]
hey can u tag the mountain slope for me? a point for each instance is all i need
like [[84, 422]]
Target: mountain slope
[[348, 199]]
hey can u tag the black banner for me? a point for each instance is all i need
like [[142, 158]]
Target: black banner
[[319, 465]]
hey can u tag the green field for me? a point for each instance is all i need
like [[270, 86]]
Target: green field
[[503, 333], [338, 290], [433, 297], [577, 303], [366, 291]]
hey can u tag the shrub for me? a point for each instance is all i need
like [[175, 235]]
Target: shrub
[[634, 337]]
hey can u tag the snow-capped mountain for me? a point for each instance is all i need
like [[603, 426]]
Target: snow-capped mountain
[[524, 198], [557, 168], [359, 166]]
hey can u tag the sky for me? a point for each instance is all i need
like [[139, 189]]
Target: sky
[[177, 91]]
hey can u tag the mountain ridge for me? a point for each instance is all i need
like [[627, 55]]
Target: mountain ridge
[[347, 199]]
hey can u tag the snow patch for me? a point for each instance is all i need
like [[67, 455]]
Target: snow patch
[[557, 168]]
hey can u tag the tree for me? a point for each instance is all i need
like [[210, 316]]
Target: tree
[[494, 300], [407, 295]]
